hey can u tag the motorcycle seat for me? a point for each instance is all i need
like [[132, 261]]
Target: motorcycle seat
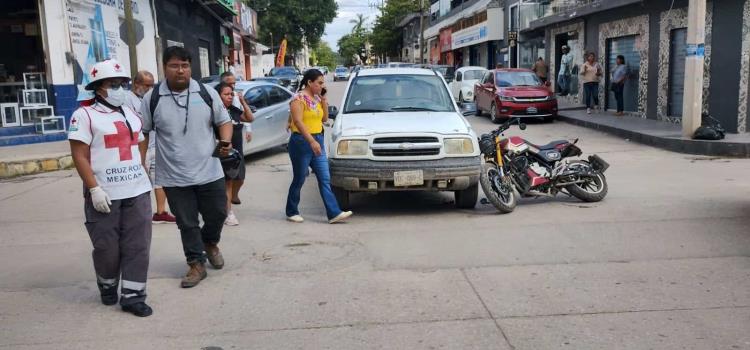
[[551, 145]]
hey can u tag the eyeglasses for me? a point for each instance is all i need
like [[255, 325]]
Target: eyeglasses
[[115, 83]]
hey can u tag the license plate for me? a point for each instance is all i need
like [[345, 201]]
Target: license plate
[[408, 178], [531, 110]]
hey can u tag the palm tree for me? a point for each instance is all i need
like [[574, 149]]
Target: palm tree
[[359, 24]]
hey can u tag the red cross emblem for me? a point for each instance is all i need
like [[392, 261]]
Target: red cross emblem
[[117, 66], [93, 72], [122, 141]]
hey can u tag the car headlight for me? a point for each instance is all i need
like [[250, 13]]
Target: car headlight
[[505, 98], [352, 148], [458, 146], [469, 93]]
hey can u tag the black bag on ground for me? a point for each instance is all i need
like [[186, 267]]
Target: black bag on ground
[[710, 129]]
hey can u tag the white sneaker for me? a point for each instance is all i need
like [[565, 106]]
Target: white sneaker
[[231, 220], [588, 110], [295, 218], [341, 217]]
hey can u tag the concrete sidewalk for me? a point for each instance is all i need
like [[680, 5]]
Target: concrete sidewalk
[[34, 158], [656, 133]]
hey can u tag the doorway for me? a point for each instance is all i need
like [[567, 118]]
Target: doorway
[[570, 40], [627, 47], [677, 51]]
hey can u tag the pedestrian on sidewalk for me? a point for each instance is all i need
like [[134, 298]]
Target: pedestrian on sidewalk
[[238, 101], [104, 143], [142, 83], [540, 68], [566, 67], [592, 74], [234, 179], [309, 109], [619, 76], [185, 114]]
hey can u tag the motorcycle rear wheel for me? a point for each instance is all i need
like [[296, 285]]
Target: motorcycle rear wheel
[[591, 191], [502, 196]]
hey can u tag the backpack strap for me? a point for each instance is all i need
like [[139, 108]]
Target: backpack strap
[[155, 96]]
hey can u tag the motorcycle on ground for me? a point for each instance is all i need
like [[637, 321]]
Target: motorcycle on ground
[[514, 167]]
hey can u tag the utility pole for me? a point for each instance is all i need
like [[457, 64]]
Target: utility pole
[[131, 38], [692, 103], [421, 31]]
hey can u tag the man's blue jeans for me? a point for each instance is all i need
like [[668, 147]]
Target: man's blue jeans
[[302, 157], [563, 81]]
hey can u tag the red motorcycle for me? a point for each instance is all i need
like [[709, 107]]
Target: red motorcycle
[[514, 167]]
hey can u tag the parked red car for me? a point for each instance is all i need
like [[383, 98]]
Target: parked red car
[[507, 93]]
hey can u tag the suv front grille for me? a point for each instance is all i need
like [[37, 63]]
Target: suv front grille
[[405, 153], [406, 139]]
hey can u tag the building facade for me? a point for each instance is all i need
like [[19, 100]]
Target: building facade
[[56, 42], [651, 35]]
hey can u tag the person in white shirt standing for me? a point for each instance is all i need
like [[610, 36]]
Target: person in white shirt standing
[[104, 142], [142, 83]]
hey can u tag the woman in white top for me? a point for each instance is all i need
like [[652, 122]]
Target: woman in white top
[[104, 142]]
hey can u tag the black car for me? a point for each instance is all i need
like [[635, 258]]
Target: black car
[[288, 75], [445, 70]]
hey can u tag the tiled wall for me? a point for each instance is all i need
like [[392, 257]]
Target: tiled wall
[[670, 20], [625, 27], [745, 70]]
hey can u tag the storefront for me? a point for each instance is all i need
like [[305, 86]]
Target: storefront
[[55, 44]]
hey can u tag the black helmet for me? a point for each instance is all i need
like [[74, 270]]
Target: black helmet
[[231, 163]]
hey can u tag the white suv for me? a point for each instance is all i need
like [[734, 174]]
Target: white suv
[[400, 129]]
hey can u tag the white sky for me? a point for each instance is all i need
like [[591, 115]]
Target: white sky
[[348, 10]]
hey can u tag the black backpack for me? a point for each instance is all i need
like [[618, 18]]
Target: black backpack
[[155, 96], [709, 130]]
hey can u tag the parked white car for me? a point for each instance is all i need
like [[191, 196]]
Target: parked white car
[[270, 105], [399, 130], [462, 86]]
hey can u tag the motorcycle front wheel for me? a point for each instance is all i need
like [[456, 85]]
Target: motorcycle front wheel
[[499, 191]]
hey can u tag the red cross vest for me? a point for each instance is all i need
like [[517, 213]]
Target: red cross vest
[[115, 158]]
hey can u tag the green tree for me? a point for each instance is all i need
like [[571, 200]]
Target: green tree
[[359, 24], [386, 36], [352, 45], [301, 21], [324, 56]]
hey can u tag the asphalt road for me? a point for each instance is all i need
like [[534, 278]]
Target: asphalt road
[[662, 263]]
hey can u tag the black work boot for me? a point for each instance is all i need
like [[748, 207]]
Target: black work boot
[[108, 293], [139, 309]]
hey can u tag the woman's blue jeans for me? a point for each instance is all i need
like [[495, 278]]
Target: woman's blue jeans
[[303, 157], [591, 94]]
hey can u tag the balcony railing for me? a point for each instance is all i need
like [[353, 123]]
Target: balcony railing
[[558, 7]]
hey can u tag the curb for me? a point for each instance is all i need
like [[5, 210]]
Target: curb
[[34, 166], [674, 144]]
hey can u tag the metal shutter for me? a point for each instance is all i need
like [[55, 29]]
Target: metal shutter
[[625, 46], [678, 47]]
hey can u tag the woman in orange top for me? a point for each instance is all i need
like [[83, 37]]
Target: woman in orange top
[[309, 109]]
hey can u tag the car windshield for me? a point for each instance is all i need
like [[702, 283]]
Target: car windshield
[[283, 71], [340, 70], [475, 74], [507, 79], [402, 92]]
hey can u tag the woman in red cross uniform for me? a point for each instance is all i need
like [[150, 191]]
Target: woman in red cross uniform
[[104, 141]]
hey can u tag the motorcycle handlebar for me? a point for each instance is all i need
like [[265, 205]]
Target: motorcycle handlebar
[[505, 126]]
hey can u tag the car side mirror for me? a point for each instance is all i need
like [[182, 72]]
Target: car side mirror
[[333, 111]]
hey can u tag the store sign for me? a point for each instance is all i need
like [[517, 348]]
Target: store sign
[[489, 30], [249, 20], [445, 40], [96, 33], [470, 36]]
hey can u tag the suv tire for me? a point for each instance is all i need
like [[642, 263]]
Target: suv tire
[[467, 199], [342, 197]]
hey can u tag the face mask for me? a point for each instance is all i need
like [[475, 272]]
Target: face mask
[[116, 97]]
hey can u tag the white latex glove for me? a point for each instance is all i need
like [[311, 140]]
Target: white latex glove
[[100, 199]]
